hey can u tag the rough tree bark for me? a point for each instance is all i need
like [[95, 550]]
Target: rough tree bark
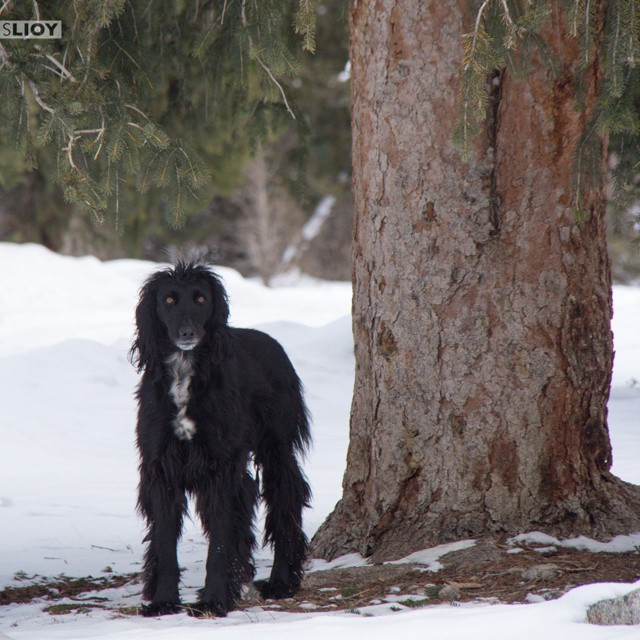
[[481, 307]]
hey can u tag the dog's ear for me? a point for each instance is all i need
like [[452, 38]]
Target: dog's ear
[[217, 325], [149, 338], [219, 300]]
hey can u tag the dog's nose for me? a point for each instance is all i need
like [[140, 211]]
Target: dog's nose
[[187, 333]]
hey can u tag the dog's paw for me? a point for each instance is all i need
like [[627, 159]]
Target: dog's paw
[[274, 590], [160, 609], [205, 609]]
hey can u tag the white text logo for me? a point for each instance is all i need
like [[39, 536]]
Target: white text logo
[[29, 29]]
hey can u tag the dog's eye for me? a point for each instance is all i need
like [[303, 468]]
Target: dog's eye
[[200, 299], [170, 300]]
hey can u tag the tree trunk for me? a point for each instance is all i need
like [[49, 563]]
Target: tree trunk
[[261, 229], [481, 308]]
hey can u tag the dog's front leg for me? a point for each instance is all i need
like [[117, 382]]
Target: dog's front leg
[[226, 508], [162, 501]]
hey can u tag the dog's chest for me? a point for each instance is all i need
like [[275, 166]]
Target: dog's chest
[[180, 369]]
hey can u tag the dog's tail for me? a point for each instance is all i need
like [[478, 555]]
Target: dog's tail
[[300, 419]]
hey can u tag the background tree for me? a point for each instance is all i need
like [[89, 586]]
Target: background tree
[[211, 78], [482, 300], [271, 215]]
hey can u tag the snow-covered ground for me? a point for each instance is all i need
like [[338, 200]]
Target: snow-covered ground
[[68, 464]]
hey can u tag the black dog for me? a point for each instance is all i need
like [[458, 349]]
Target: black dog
[[209, 398]]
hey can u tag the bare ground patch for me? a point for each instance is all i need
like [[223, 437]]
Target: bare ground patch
[[52, 590], [485, 572]]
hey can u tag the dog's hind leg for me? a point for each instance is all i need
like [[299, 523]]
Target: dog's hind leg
[[286, 492], [162, 501], [226, 507]]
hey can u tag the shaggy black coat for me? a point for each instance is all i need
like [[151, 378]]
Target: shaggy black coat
[[243, 400]]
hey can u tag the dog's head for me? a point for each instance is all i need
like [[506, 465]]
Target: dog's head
[[180, 308]]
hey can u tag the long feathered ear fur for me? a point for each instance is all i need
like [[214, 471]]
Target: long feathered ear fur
[[220, 315], [216, 328], [149, 342]]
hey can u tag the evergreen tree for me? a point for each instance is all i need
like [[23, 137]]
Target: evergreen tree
[[144, 95]]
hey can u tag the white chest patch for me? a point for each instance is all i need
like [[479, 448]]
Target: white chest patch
[[180, 370]]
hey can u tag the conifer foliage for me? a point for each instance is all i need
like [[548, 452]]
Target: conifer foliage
[[507, 32], [110, 100]]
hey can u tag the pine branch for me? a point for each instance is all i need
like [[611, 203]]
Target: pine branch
[[110, 102]]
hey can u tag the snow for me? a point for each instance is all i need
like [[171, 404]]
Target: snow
[[345, 74], [342, 562], [554, 620], [310, 229], [68, 471], [431, 556], [619, 544]]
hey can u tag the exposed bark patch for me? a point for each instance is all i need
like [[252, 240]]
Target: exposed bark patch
[[387, 344], [427, 217], [458, 424], [503, 460], [387, 537], [555, 483], [429, 211], [561, 96], [493, 125], [597, 444], [397, 44]]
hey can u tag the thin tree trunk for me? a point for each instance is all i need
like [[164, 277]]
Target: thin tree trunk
[[261, 229], [481, 306]]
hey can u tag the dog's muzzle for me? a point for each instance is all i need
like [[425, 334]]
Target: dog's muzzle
[[185, 345]]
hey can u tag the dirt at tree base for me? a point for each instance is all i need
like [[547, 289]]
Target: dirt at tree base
[[491, 571]]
